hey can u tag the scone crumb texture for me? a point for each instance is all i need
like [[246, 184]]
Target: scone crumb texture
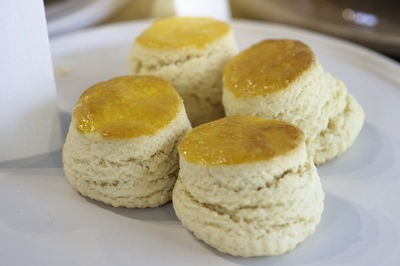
[[239, 139], [266, 67], [178, 32], [126, 107]]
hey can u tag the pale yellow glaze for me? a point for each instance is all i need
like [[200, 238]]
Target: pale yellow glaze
[[178, 32], [266, 67], [239, 139], [126, 107]]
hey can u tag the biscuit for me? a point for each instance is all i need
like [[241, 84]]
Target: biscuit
[[282, 79], [189, 53], [121, 147], [246, 186]]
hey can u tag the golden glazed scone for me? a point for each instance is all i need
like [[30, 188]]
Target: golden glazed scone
[[121, 147], [282, 79], [246, 186], [190, 53]]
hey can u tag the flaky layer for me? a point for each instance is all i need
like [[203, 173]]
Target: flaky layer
[[137, 172], [195, 74], [342, 130], [257, 209]]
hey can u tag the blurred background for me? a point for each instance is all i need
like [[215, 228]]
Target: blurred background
[[372, 23]]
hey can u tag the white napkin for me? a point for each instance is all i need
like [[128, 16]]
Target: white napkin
[[29, 119]]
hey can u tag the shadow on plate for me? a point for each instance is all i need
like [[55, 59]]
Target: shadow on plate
[[371, 151], [159, 214], [340, 229], [46, 160], [65, 120]]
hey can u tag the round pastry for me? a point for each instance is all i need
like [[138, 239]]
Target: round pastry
[[121, 147], [246, 186], [282, 79], [190, 53]]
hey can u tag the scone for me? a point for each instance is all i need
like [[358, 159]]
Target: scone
[[121, 147], [282, 79], [190, 53], [246, 186]]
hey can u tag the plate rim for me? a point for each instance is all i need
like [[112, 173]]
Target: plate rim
[[58, 41]]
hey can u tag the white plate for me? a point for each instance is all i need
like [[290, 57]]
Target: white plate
[[43, 221]]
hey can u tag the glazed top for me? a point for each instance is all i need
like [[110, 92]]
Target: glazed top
[[126, 107], [239, 139], [181, 32], [268, 66]]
